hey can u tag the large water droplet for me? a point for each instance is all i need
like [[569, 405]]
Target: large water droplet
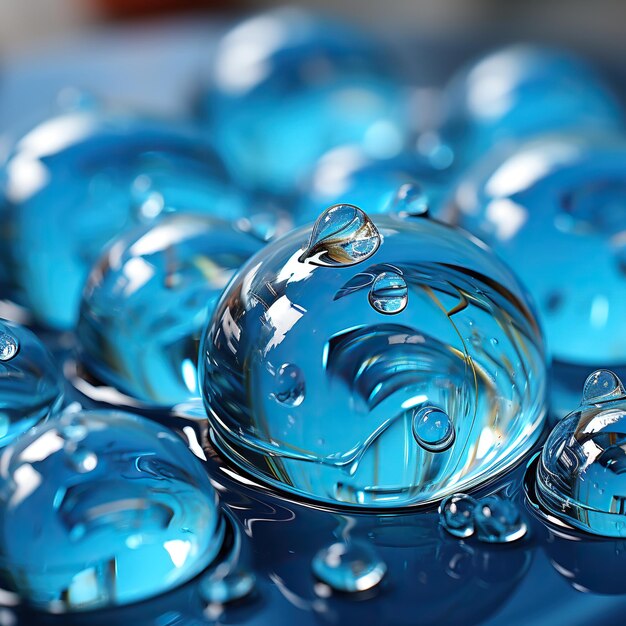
[[389, 293], [9, 345], [433, 429], [290, 385], [31, 387], [456, 514], [135, 500], [603, 385], [581, 473], [411, 201], [343, 235], [349, 567], [498, 521]]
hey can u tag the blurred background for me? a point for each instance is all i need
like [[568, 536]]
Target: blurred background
[[593, 26]]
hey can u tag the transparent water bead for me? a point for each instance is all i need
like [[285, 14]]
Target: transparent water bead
[[8, 344], [522, 91], [342, 235], [406, 185], [349, 567], [147, 299], [287, 86], [498, 521], [579, 474], [456, 514], [433, 429], [350, 439], [75, 181], [389, 293], [31, 385], [223, 587], [136, 520], [554, 210]]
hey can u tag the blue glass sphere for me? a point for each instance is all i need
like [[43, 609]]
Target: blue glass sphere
[[287, 86], [578, 474], [101, 509], [147, 300], [347, 175], [554, 210], [75, 181], [31, 385], [524, 90], [327, 344]]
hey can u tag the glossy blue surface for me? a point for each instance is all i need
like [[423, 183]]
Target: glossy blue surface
[[287, 86], [127, 509], [521, 91], [466, 342], [75, 181], [31, 384], [147, 299]]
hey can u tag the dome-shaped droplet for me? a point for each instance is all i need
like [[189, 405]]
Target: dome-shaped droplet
[[554, 240], [581, 473], [31, 385], [411, 201], [290, 385], [343, 235], [132, 516], [389, 293], [498, 521], [8, 344], [402, 186], [523, 91], [349, 567], [147, 299], [93, 174], [456, 514], [433, 429], [603, 385], [288, 86], [351, 441]]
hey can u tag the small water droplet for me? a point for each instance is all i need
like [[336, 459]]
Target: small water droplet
[[411, 201], [343, 235], [9, 345], [456, 514], [433, 429], [603, 385], [223, 585], [498, 521], [389, 293], [290, 386], [349, 567]]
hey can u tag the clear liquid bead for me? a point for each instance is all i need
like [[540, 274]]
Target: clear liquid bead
[[147, 300], [523, 91], [31, 385], [579, 473], [498, 521], [310, 85], [349, 567], [128, 512], [456, 514], [77, 180], [351, 438], [555, 210], [405, 185]]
